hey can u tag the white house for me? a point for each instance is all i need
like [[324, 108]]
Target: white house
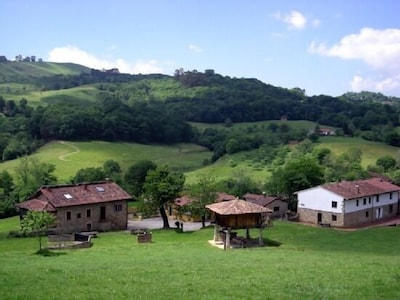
[[348, 203]]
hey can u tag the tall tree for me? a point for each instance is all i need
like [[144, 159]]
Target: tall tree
[[297, 174], [37, 223], [203, 192], [162, 186], [31, 174], [136, 176]]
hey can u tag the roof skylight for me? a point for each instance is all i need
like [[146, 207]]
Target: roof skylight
[[100, 189], [68, 196]]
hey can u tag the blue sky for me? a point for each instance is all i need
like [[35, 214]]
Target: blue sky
[[325, 47]]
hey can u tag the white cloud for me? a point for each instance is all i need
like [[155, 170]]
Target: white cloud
[[358, 84], [379, 49], [195, 48], [294, 19], [75, 55]]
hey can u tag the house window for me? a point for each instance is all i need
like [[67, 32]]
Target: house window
[[276, 208], [102, 212], [367, 214], [369, 200], [334, 217], [377, 198], [88, 213], [334, 204], [390, 195], [365, 201], [68, 215], [118, 207], [390, 208], [78, 215], [357, 202]]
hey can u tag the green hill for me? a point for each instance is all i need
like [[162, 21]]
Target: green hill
[[69, 157], [20, 72]]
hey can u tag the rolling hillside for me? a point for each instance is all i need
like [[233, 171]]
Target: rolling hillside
[[69, 157], [20, 72]]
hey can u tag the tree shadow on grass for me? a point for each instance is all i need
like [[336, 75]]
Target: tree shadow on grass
[[48, 253]]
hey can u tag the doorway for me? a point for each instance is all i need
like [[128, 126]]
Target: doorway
[[319, 218]]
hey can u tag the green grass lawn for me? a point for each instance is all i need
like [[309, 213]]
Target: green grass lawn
[[310, 263]]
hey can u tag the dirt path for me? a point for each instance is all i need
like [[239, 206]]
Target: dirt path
[[64, 156]]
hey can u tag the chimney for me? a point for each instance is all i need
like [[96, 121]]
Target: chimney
[[358, 188]]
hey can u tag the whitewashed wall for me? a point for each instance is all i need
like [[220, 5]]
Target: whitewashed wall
[[384, 199], [318, 198]]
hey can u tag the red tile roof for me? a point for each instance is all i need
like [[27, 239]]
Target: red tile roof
[[361, 188], [36, 205], [80, 194], [236, 207], [224, 197], [262, 200], [182, 201]]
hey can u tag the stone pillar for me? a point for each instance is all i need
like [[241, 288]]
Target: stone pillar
[[216, 232], [228, 238]]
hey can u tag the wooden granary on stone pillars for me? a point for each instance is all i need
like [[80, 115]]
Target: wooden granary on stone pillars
[[238, 214]]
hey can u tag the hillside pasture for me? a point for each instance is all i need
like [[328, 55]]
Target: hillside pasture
[[69, 157], [297, 125], [36, 97], [301, 262], [371, 151]]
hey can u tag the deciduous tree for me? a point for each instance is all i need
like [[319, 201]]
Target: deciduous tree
[[37, 223], [162, 186]]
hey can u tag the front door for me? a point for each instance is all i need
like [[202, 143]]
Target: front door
[[319, 218]]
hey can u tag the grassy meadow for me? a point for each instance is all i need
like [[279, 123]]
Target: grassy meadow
[[69, 157], [309, 263]]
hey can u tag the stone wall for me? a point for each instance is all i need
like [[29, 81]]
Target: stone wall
[[87, 217], [346, 220], [311, 216]]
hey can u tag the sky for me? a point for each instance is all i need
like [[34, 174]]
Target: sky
[[325, 47]]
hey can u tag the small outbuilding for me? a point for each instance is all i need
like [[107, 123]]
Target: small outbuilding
[[237, 214]]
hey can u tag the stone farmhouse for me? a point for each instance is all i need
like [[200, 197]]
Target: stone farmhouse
[[277, 206], [348, 203], [94, 206]]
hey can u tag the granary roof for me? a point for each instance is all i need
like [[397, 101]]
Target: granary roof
[[82, 193], [236, 207], [361, 188], [262, 200]]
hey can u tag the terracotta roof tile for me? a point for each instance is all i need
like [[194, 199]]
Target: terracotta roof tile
[[224, 197], [36, 205], [182, 201], [262, 200], [361, 188], [236, 207], [79, 194]]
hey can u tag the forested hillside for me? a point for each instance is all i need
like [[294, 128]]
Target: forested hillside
[[157, 108]]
